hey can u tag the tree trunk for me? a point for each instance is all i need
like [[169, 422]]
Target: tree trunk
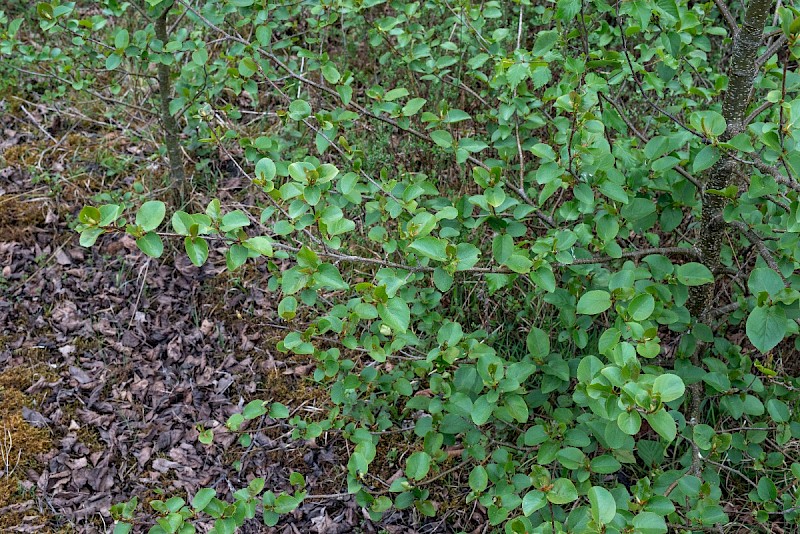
[[741, 74], [168, 123]]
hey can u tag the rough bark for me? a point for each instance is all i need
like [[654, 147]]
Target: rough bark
[[168, 123], [741, 74]]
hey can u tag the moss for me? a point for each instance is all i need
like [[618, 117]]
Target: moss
[[21, 442], [22, 155], [19, 216]]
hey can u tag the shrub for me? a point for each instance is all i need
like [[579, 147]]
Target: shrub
[[591, 169]]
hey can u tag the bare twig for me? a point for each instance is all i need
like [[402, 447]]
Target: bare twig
[[38, 125]]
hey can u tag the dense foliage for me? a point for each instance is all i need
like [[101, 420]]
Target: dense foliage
[[557, 238]]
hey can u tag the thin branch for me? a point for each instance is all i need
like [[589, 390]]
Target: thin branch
[[726, 13], [773, 171], [458, 83], [666, 251], [644, 139], [89, 91], [771, 50], [756, 112], [639, 85], [732, 470], [765, 252], [347, 257], [724, 310], [38, 125]]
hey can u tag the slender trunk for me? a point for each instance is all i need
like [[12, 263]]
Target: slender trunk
[[741, 74], [168, 123]]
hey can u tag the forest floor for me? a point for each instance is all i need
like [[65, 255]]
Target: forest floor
[[110, 362]]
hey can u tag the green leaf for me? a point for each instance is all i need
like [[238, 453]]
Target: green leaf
[[693, 274], [538, 343], [45, 11], [442, 280], [299, 110], [113, 61], [297, 479], [778, 410], [603, 505], [478, 479], [481, 410], [90, 215], [122, 39], [545, 40], [641, 307], [265, 169], [430, 247], [202, 498], [517, 408], [287, 308], [278, 411], [764, 279], [413, 106], [442, 138], [396, 314], [649, 523], [766, 489], [516, 73], [562, 492], [669, 387], [109, 213], [254, 409], [519, 263], [247, 67], [571, 458], [260, 244], [234, 220], [669, 7], [629, 422], [196, 249], [394, 94], [328, 275], [594, 302], [150, 243], [533, 501], [150, 215], [236, 256], [89, 236], [418, 465], [330, 73], [604, 465], [703, 436], [706, 158], [663, 423], [766, 327], [200, 57]]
